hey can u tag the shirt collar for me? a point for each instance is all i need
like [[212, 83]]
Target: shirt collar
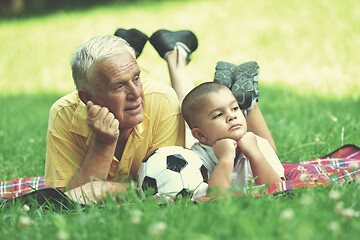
[[79, 121], [210, 152]]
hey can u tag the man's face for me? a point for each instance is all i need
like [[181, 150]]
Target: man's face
[[118, 87], [221, 118]]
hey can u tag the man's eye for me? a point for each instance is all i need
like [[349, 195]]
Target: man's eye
[[119, 86], [136, 79]]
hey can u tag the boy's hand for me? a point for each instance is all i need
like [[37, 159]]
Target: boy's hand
[[225, 149], [103, 123], [248, 144], [262, 170]]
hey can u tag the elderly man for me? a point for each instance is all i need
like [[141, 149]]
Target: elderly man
[[105, 129]]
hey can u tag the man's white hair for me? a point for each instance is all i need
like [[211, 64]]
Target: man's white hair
[[92, 51]]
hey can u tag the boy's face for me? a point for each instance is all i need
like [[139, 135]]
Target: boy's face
[[220, 118]]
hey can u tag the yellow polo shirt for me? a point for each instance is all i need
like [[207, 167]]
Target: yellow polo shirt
[[69, 136]]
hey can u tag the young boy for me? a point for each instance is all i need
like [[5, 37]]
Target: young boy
[[232, 155]]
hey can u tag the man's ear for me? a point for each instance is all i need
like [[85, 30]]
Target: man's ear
[[84, 96], [196, 132]]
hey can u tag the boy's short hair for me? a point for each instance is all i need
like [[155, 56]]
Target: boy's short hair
[[195, 100]]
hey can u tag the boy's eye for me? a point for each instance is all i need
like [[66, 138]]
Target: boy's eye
[[236, 108], [217, 115]]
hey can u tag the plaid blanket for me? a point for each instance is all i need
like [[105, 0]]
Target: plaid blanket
[[340, 166], [18, 187]]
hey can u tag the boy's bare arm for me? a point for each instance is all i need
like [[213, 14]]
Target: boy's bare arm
[[260, 167], [225, 151]]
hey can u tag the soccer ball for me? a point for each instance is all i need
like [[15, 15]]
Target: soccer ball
[[173, 171]]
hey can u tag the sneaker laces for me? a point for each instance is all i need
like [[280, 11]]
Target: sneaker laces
[[179, 46], [186, 51]]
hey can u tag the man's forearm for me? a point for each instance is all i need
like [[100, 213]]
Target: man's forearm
[[96, 191], [96, 164]]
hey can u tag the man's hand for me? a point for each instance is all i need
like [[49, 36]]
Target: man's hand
[[99, 155], [96, 191], [103, 123]]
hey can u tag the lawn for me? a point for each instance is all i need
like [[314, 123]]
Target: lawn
[[309, 95]]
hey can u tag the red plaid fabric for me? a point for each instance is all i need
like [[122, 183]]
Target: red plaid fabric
[[18, 187], [340, 166]]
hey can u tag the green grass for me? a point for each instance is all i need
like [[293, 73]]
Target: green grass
[[304, 214], [23, 128], [307, 52]]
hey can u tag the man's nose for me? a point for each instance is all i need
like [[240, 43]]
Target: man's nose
[[133, 91]]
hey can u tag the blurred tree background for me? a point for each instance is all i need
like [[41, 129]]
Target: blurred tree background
[[23, 8], [306, 50]]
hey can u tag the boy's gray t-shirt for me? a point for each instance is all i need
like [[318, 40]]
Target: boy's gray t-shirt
[[242, 170]]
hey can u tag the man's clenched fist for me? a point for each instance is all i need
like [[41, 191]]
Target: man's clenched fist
[[103, 123]]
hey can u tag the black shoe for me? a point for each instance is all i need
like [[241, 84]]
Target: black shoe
[[165, 41], [134, 37], [245, 87], [224, 73]]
